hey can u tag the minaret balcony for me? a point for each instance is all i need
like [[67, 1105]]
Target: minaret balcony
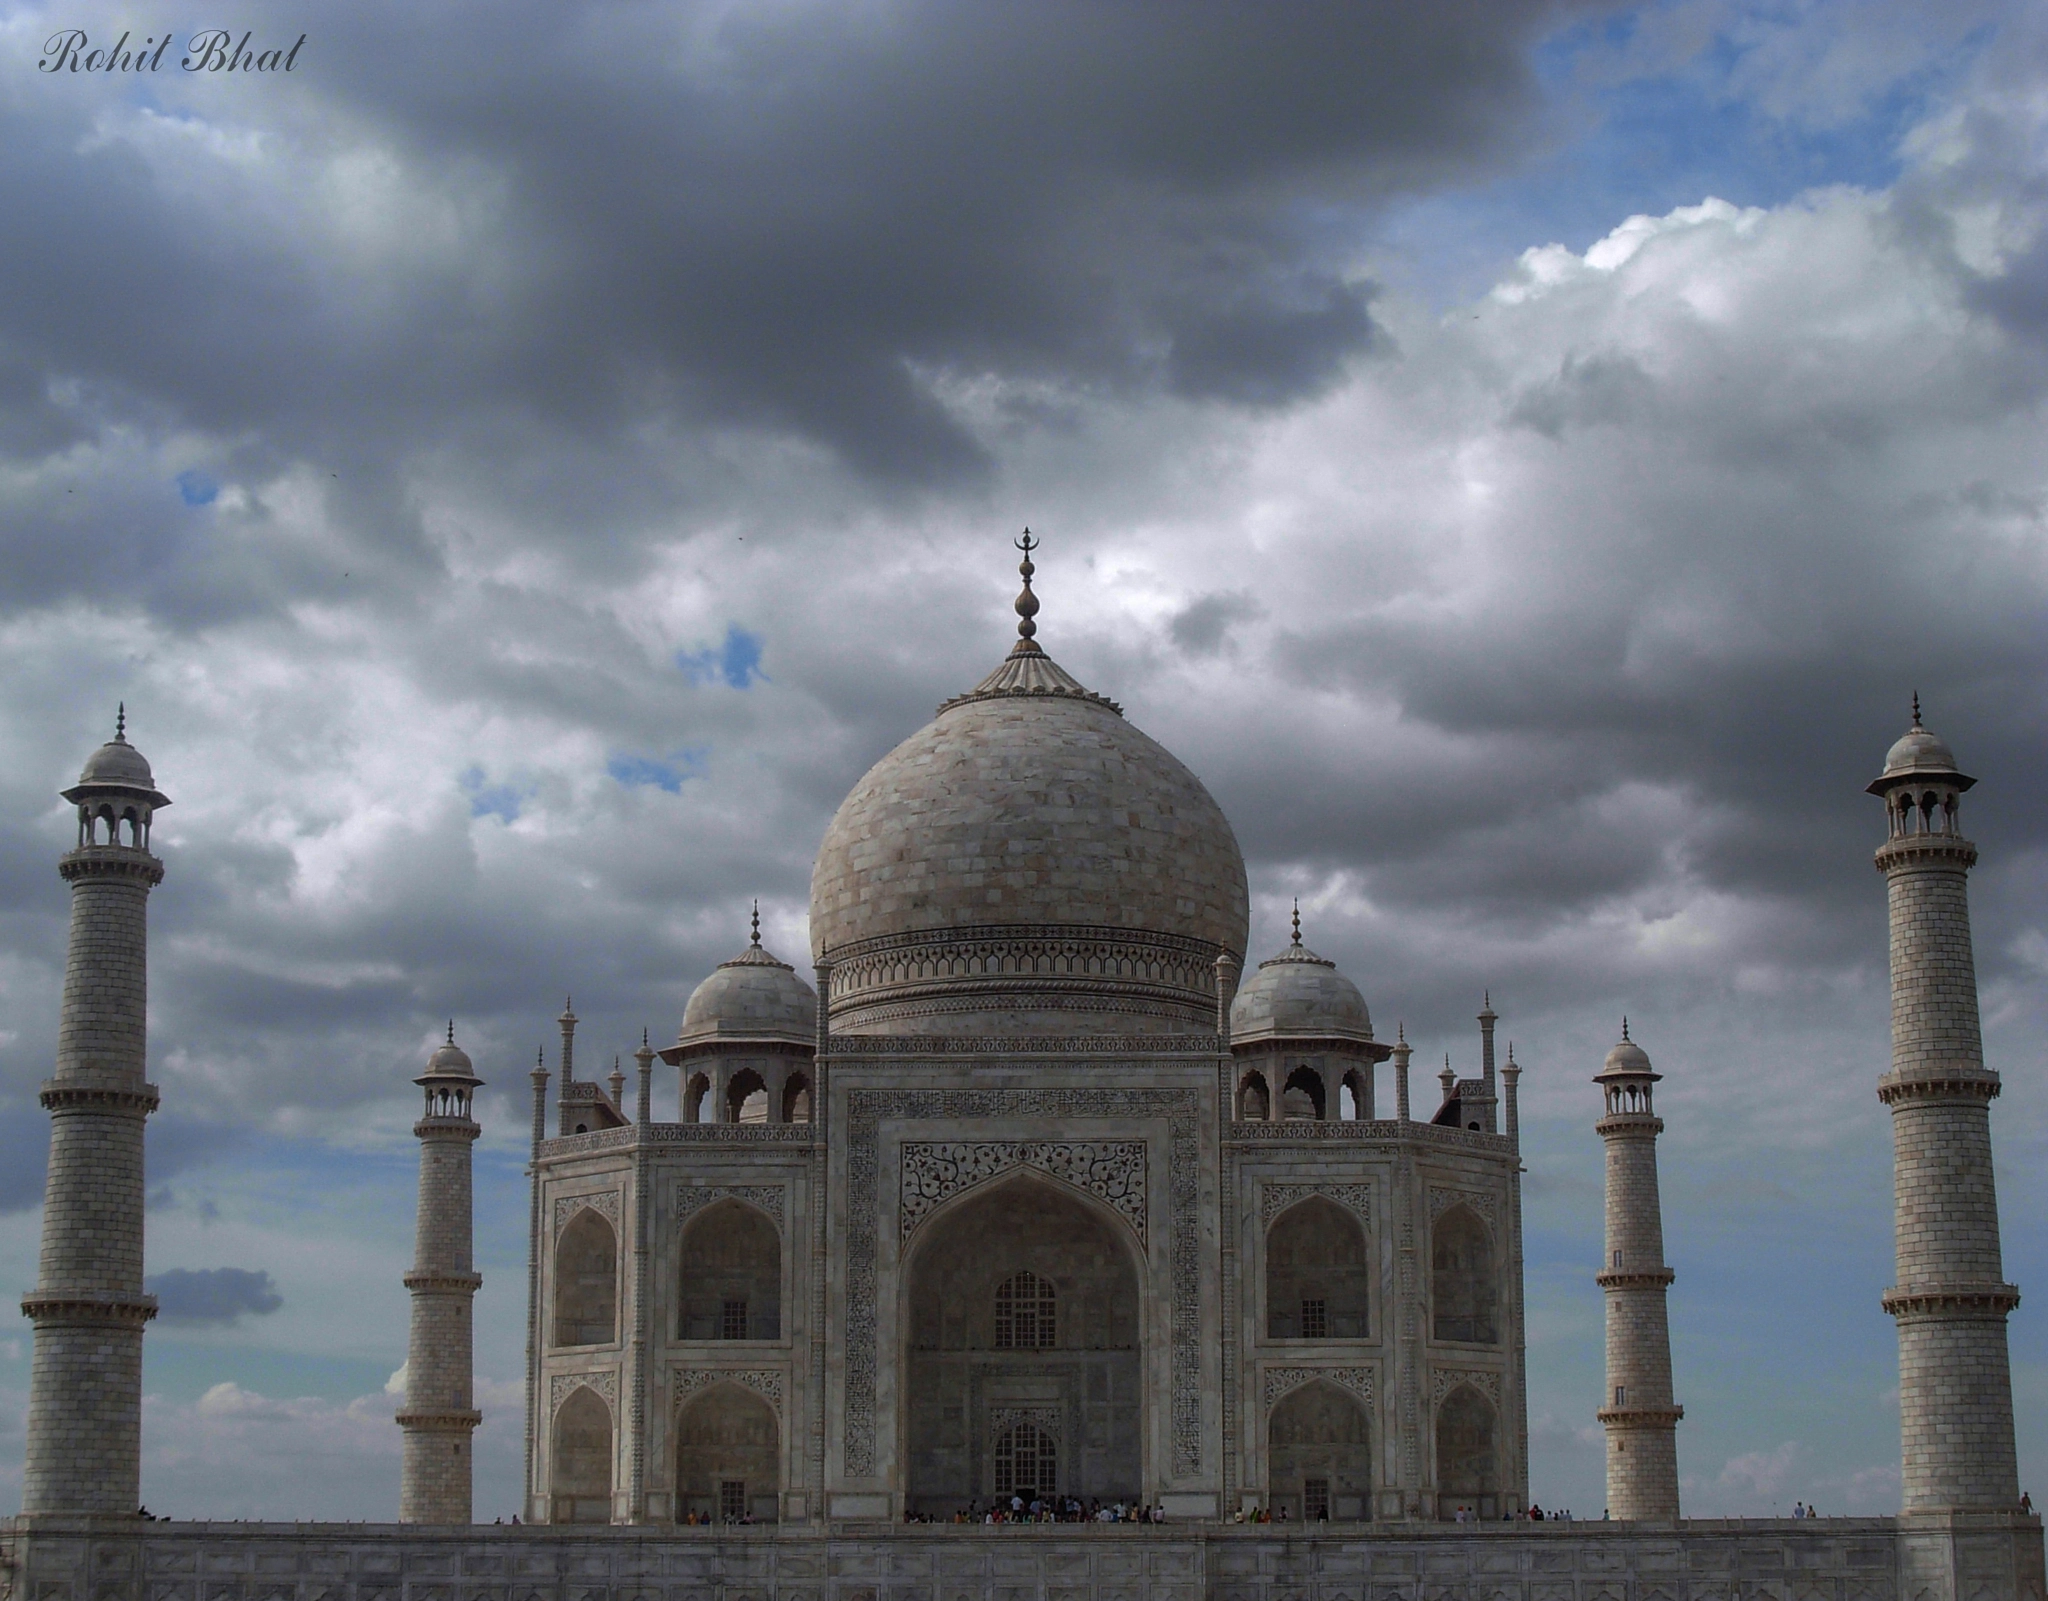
[[1986, 1296]]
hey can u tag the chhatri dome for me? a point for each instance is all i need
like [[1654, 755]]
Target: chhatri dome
[[1299, 995], [1027, 863], [753, 997]]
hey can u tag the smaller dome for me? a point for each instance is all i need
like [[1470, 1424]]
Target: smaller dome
[[1298, 994], [118, 762], [449, 1061], [1628, 1059], [1917, 751], [753, 997]]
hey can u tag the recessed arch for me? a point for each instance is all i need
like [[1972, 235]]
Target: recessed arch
[[580, 1459], [1254, 1100], [963, 1385], [1464, 1280], [728, 1456], [1318, 1273], [1319, 1454], [796, 1098], [586, 1281], [730, 1284], [1301, 1099], [696, 1097], [746, 1097], [1467, 1452]]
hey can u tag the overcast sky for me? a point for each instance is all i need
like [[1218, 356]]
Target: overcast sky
[[522, 466]]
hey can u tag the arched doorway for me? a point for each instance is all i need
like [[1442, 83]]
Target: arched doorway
[[728, 1457], [1467, 1463], [586, 1282], [580, 1460], [1319, 1455], [1317, 1274], [1022, 1341], [731, 1284], [1464, 1294]]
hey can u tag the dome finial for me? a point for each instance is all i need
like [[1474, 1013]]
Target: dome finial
[[451, 1031], [1027, 603], [121, 724], [757, 923], [1624, 1025], [1916, 708], [1297, 922]]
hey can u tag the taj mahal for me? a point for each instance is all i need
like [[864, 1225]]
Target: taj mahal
[[1034, 1187]]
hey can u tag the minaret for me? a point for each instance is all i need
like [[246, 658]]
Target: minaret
[[88, 1306], [1402, 1051], [1641, 1420], [1488, 1117], [1951, 1298], [440, 1407]]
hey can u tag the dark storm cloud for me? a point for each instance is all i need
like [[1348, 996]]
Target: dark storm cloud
[[217, 1296], [787, 216]]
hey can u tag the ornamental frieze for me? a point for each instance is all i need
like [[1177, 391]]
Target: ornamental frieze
[[1444, 1380], [1111, 1170], [605, 1203], [693, 1198], [1442, 1199], [1358, 1380], [764, 1382], [605, 1384], [1277, 1198]]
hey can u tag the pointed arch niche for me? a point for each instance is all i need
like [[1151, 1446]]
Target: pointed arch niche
[[968, 1377], [730, 1285], [580, 1459], [1318, 1274], [728, 1456], [586, 1310], [1319, 1455]]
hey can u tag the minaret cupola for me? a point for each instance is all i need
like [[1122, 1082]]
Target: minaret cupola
[[450, 1081], [1626, 1078], [116, 795], [1920, 786]]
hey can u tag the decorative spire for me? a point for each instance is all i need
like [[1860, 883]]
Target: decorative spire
[[1027, 603], [1401, 1033], [451, 1031], [1624, 1027], [643, 1041], [1297, 922], [121, 722], [757, 923], [1916, 708]]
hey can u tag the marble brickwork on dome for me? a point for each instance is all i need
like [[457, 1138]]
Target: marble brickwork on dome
[[1029, 862]]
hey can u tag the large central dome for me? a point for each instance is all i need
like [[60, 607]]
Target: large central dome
[[1027, 862]]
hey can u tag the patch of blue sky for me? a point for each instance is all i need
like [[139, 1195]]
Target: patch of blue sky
[[1647, 142], [196, 487], [670, 773], [488, 799], [736, 661]]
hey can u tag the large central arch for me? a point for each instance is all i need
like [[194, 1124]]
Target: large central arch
[[1024, 1322]]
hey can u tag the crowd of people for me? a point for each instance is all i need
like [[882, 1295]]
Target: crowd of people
[[1048, 1509]]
